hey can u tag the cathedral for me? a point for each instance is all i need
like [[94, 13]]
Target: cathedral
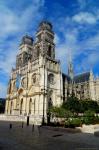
[[37, 82]]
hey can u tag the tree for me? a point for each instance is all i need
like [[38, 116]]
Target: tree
[[89, 117], [80, 106], [72, 104], [2, 106], [57, 111], [89, 105]]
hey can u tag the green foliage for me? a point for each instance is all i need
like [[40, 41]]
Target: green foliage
[[2, 106], [72, 104], [60, 112], [72, 107], [80, 106], [89, 104], [96, 120], [57, 111], [73, 122], [68, 114], [89, 117]]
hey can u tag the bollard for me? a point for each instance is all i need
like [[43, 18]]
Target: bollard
[[10, 126], [27, 120]]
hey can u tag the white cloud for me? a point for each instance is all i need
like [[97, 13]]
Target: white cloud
[[8, 23], [88, 62], [68, 48], [85, 18], [13, 24], [56, 39], [82, 3], [88, 48], [91, 49]]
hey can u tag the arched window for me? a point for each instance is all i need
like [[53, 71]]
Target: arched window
[[25, 58], [38, 51], [49, 51], [34, 78], [51, 78], [24, 82], [19, 61]]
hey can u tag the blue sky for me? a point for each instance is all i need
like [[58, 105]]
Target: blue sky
[[76, 26]]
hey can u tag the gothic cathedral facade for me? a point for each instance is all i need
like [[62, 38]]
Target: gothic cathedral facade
[[36, 83]]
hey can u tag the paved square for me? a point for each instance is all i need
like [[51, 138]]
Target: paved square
[[26, 138]]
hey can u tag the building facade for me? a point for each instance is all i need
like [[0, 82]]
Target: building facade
[[37, 82], [83, 86]]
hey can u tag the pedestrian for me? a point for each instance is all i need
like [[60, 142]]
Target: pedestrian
[[22, 124], [33, 128]]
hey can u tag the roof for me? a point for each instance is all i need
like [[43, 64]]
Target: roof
[[27, 40], [82, 77], [45, 25], [45, 22], [78, 78]]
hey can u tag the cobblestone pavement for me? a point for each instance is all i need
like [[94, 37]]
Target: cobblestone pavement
[[26, 138]]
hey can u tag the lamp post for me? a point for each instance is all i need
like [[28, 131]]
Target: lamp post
[[49, 111]]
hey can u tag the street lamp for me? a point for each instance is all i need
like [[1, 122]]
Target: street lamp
[[48, 112]]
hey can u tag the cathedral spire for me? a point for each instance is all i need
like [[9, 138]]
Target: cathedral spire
[[70, 68]]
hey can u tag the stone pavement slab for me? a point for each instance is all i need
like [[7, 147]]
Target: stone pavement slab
[[25, 138]]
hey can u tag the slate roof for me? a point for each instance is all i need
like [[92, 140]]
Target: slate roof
[[82, 77], [78, 78], [27, 40], [45, 22]]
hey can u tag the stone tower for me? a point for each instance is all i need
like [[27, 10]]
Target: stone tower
[[25, 51], [70, 68], [36, 82]]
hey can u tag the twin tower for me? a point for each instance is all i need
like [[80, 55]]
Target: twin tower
[[36, 82]]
